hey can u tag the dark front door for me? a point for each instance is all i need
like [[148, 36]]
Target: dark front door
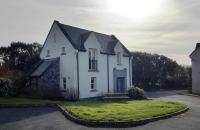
[[120, 85]]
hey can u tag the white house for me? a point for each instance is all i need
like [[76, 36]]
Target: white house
[[195, 58], [91, 62]]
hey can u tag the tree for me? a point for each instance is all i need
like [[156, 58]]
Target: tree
[[20, 56], [153, 71]]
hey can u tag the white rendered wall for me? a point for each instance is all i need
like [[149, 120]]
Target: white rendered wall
[[101, 75], [67, 62], [85, 76], [113, 64], [196, 72]]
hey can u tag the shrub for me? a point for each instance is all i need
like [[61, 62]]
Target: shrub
[[12, 84], [6, 89], [136, 93], [18, 82], [52, 93], [71, 94]]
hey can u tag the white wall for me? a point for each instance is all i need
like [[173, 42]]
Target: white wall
[[113, 64], [85, 76], [196, 72], [101, 75], [67, 62]]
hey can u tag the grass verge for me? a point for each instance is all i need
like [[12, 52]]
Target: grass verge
[[122, 110], [26, 101]]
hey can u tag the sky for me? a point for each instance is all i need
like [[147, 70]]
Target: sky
[[166, 27]]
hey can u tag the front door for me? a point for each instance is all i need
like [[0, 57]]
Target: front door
[[120, 85]]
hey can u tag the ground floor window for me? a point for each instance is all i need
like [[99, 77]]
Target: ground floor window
[[93, 83], [64, 82]]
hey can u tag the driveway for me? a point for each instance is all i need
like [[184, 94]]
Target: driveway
[[46, 118]]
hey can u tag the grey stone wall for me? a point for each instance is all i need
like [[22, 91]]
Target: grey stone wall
[[47, 85], [50, 78]]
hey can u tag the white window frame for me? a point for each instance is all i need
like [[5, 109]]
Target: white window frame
[[64, 82], [93, 60], [54, 37], [48, 53], [93, 82], [119, 58], [63, 51]]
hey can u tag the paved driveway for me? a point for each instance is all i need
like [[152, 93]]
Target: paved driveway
[[45, 118]]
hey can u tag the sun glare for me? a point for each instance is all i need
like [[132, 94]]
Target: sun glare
[[135, 8]]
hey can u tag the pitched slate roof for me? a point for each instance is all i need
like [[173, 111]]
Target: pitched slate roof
[[197, 46], [78, 36], [43, 66]]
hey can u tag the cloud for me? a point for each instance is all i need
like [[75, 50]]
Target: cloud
[[173, 31]]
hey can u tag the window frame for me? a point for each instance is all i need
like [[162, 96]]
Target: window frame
[[94, 84], [54, 38], [119, 58], [63, 50], [64, 83], [48, 53], [93, 59]]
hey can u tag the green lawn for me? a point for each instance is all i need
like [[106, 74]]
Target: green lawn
[[25, 101], [123, 110], [106, 111]]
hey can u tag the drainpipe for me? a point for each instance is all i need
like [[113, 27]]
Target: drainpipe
[[77, 61], [108, 72], [130, 71]]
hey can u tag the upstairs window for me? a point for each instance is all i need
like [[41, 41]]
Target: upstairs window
[[54, 37], [119, 58], [93, 83], [63, 51], [48, 53], [93, 59]]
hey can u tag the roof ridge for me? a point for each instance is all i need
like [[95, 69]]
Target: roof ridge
[[75, 27], [83, 29], [77, 36]]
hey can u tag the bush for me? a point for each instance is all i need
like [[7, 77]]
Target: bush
[[71, 94], [18, 82], [136, 93], [12, 85], [6, 89], [42, 93]]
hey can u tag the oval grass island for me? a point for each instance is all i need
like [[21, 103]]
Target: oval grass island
[[121, 113], [124, 113]]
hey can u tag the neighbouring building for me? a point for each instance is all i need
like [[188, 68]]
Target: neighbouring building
[[195, 58], [1, 61], [90, 62]]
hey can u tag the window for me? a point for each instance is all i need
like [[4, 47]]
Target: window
[[119, 58], [54, 37], [93, 83], [48, 53], [63, 51], [64, 82], [93, 59]]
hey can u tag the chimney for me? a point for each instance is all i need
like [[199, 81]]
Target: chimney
[[197, 45]]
